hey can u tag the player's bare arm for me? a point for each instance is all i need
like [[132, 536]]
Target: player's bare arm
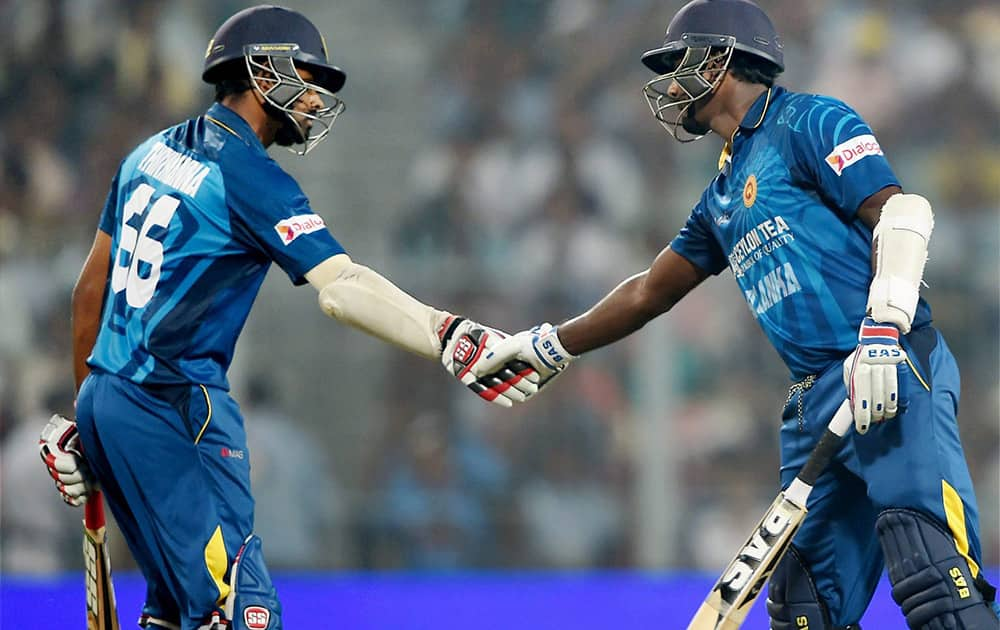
[[628, 307], [871, 208], [59, 442], [632, 303], [88, 297], [362, 298]]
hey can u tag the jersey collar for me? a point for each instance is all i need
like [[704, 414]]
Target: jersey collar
[[751, 120], [758, 111], [231, 122]]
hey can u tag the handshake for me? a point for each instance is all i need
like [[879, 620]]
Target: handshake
[[503, 369]]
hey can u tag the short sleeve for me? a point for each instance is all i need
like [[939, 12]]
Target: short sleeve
[[109, 215], [838, 153], [272, 214], [698, 244]]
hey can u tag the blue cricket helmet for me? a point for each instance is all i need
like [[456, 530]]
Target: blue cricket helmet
[[696, 53], [268, 45], [267, 30], [695, 24]]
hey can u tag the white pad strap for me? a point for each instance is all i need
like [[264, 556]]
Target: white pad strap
[[901, 236], [360, 297]]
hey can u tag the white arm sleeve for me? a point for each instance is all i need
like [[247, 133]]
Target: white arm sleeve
[[357, 296], [901, 236]]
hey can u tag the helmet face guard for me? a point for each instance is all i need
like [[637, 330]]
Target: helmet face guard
[[274, 75], [700, 54]]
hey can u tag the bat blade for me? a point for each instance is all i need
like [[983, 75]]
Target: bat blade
[[102, 611], [734, 594]]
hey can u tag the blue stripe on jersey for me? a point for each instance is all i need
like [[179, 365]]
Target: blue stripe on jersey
[[782, 216], [197, 213]]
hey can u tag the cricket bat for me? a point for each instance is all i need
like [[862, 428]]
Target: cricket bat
[[734, 594], [102, 612]]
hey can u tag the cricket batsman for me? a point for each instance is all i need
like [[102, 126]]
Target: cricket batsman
[[829, 252], [195, 216]]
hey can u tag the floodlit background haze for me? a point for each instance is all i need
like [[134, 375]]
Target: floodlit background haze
[[496, 159]]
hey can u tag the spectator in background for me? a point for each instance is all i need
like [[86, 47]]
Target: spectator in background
[[299, 533], [425, 511], [556, 77], [570, 518], [39, 537], [571, 514]]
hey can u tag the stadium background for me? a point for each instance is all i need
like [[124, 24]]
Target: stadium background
[[496, 159]]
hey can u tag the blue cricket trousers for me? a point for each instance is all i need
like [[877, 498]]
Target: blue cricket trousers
[[173, 464], [912, 461]]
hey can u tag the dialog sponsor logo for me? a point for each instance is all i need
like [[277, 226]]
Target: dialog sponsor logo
[[847, 153], [293, 227]]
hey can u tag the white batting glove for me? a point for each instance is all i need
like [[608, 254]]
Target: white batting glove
[[464, 343], [870, 374], [539, 347], [59, 446]]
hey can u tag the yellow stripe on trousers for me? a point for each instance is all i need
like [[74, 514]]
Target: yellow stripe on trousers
[[217, 563], [954, 511], [208, 416]]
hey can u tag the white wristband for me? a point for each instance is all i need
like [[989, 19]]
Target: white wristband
[[550, 350]]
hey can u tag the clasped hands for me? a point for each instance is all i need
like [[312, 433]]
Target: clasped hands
[[501, 368]]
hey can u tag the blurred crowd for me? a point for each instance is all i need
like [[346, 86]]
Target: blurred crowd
[[518, 177]]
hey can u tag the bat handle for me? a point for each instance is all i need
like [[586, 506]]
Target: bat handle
[[827, 446], [842, 419], [93, 511]]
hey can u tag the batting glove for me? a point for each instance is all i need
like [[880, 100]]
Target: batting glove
[[59, 446], [539, 347], [870, 374], [464, 344]]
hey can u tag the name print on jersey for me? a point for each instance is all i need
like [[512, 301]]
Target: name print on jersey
[[174, 169]]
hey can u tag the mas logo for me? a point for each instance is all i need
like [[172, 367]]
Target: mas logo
[[293, 227], [847, 153], [750, 191], [231, 453]]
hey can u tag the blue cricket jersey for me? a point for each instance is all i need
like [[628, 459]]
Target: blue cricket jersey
[[197, 213], [781, 214]]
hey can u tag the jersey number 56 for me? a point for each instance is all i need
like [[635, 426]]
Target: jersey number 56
[[139, 257]]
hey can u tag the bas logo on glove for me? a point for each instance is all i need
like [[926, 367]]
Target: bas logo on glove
[[870, 374], [884, 353]]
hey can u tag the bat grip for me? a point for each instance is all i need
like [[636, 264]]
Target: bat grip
[[93, 511], [827, 446]]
